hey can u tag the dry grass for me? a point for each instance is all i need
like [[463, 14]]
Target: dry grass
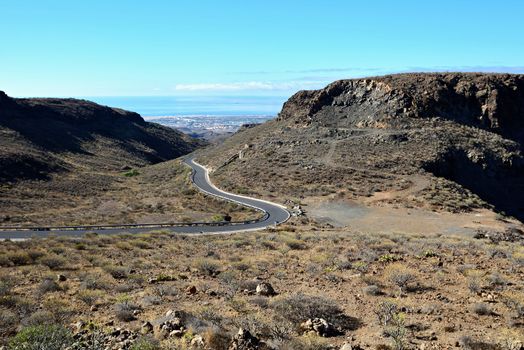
[[154, 194], [340, 275]]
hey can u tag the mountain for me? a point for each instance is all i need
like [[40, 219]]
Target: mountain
[[450, 141], [41, 136], [68, 161]]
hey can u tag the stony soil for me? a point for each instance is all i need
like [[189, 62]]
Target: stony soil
[[441, 291]]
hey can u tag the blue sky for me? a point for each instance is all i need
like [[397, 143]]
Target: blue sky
[[251, 47]]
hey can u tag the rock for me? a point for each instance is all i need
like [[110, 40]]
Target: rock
[[320, 327], [265, 289], [449, 328], [348, 346], [191, 290], [244, 340], [61, 278], [177, 333], [171, 325], [94, 308], [146, 328], [197, 341], [78, 326]]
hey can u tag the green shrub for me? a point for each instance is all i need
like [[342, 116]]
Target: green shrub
[[217, 218], [131, 173], [388, 258], [49, 337], [146, 343]]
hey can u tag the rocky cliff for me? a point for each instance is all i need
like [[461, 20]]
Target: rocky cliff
[[493, 102], [460, 134]]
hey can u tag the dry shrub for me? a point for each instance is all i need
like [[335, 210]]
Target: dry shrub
[[298, 308], [48, 285], [400, 276], [215, 338], [53, 261], [15, 259], [208, 267]]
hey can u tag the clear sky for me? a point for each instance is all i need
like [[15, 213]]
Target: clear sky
[[253, 47]]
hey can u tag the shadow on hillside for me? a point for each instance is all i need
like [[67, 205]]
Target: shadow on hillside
[[502, 188]]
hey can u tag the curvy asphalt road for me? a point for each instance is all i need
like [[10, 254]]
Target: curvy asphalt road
[[272, 214]]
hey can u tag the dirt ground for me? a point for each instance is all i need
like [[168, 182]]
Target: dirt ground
[[388, 219]]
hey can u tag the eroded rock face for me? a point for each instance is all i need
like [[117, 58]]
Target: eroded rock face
[[489, 101]]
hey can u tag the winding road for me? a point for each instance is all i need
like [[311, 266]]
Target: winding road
[[273, 214]]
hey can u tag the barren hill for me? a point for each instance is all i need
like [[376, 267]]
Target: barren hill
[[68, 161], [45, 135], [450, 141]]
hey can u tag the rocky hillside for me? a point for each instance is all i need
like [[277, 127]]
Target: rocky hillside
[[42, 136], [450, 141], [67, 161]]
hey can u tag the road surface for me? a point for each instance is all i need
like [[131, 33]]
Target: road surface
[[272, 214]]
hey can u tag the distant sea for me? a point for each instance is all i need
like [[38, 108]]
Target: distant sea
[[189, 113]]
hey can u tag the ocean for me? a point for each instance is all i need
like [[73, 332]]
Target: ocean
[[189, 113]]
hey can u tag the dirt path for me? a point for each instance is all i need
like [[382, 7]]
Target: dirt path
[[357, 216]]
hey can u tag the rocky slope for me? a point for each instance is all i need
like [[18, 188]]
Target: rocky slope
[[451, 141], [42, 136], [68, 161]]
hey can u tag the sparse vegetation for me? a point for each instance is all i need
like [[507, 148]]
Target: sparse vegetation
[[131, 173], [400, 276], [52, 337], [339, 278]]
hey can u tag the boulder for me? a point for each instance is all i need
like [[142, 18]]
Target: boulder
[[146, 328], [191, 290], [265, 289], [320, 327], [177, 333], [244, 340], [171, 325], [197, 342]]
